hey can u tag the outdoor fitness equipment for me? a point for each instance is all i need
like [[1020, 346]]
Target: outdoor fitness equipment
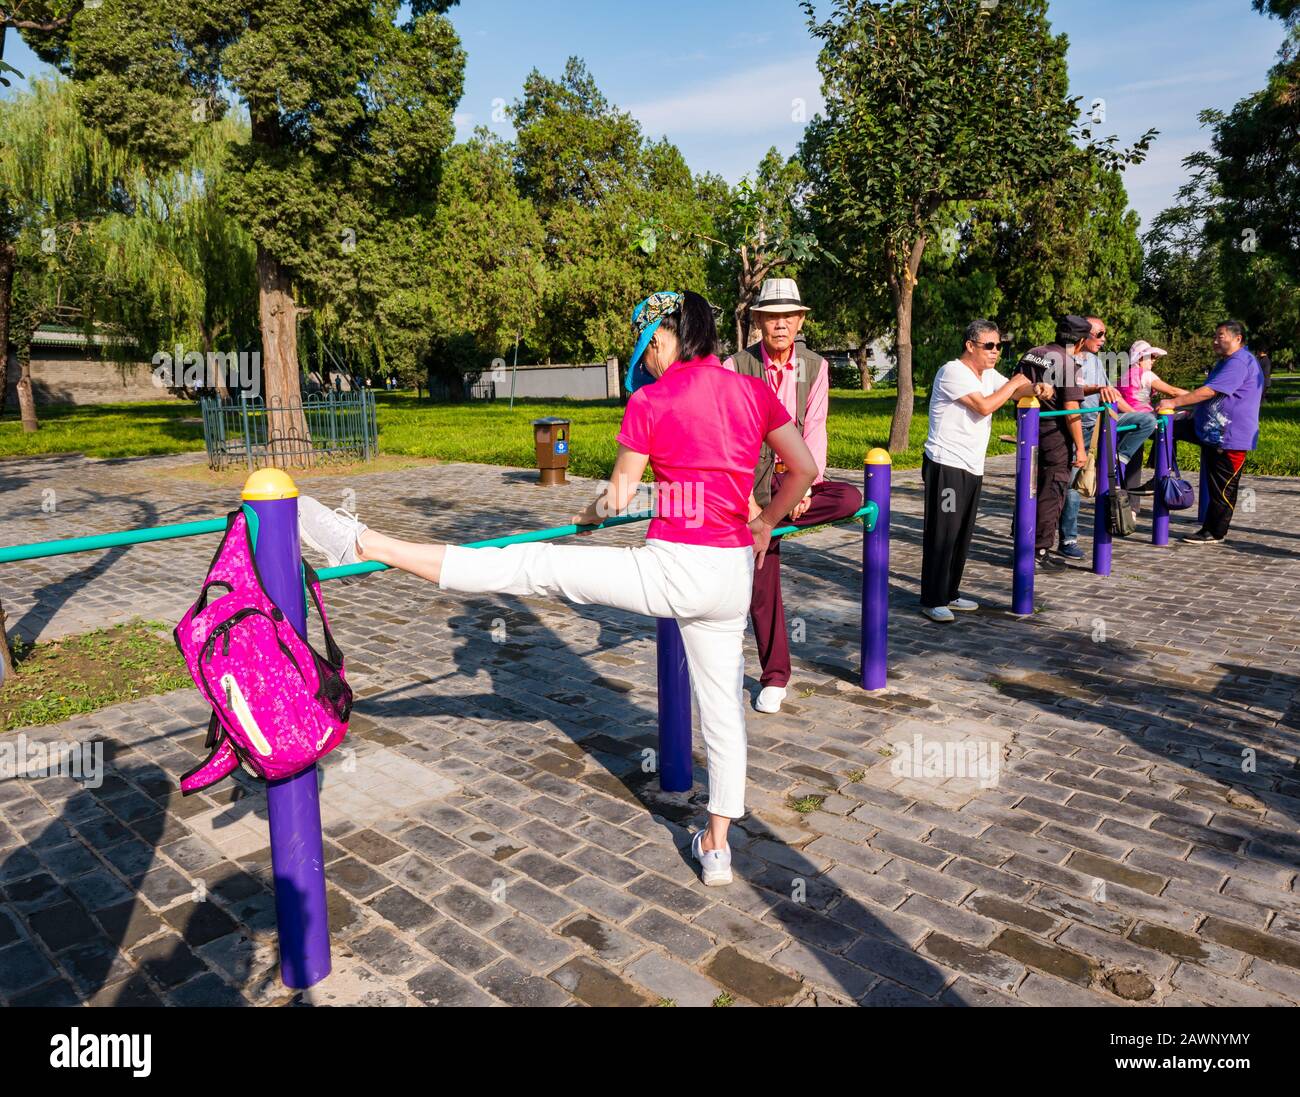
[[293, 804]]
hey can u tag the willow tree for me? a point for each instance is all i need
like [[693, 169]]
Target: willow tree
[[349, 113], [58, 178], [178, 270]]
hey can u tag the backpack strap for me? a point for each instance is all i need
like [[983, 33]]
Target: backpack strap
[[312, 581], [219, 764]]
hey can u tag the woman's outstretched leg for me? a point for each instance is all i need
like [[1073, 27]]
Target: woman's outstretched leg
[[342, 538]]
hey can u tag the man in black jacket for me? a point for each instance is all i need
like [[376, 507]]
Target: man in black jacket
[[1060, 438]]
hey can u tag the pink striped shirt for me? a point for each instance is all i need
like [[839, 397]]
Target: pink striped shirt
[[783, 379]]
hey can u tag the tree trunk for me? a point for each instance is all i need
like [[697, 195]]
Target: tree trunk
[[900, 428], [864, 363], [8, 260], [209, 340], [26, 403], [6, 656], [287, 426]]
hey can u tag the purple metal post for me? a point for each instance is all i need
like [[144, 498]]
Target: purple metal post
[[293, 804], [674, 708], [1160, 511], [1101, 543], [875, 572], [1026, 514]]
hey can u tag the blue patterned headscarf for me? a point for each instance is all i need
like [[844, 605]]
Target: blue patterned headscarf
[[646, 318]]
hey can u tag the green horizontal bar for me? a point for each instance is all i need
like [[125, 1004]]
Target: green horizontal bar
[[14, 553], [1131, 426], [870, 513], [1075, 411], [98, 542]]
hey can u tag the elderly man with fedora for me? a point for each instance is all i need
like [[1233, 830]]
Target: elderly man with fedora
[[801, 381]]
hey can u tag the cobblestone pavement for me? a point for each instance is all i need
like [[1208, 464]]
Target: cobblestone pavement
[[491, 837]]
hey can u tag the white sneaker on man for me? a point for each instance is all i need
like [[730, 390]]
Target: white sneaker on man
[[964, 605], [770, 698], [332, 533], [716, 863], [939, 613]]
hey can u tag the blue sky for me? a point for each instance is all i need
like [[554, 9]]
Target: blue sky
[[723, 78]]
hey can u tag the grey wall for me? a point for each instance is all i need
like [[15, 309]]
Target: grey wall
[[595, 381], [68, 377]]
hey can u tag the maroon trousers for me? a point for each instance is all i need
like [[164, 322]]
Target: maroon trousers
[[830, 503]]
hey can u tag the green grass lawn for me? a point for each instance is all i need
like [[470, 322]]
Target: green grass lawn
[[64, 678], [494, 434]]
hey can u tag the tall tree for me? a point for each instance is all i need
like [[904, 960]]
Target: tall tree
[[1231, 242], [763, 230], [487, 266], [349, 113], [622, 215], [928, 102]]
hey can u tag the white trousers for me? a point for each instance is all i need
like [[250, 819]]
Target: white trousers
[[706, 589]]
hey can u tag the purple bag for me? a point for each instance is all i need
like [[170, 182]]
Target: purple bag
[[277, 704], [1178, 492]]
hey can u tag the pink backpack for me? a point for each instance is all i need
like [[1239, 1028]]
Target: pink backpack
[[277, 704]]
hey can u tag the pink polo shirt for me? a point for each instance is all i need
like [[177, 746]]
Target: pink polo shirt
[[783, 379], [702, 427]]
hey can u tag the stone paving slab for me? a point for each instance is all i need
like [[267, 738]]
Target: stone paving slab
[[1094, 806]]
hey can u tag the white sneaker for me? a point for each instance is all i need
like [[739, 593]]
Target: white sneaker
[[939, 613], [964, 605], [770, 698], [715, 862], [332, 533]]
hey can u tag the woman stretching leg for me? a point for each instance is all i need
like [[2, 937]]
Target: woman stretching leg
[[701, 427]]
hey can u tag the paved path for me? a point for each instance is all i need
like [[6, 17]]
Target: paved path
[[1127, 830]]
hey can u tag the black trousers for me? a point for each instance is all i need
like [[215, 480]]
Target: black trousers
[[952, 497], [1053, 482]]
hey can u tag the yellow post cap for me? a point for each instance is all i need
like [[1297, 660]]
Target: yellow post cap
[[879, 456], [1027, 402], [267, 484], [1167, 411]]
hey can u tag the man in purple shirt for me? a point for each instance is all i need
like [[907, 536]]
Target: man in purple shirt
[[1226, 425]]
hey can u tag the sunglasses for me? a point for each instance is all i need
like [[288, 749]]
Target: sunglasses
[[990, 346]]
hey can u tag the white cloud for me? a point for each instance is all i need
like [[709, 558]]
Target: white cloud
[[764, 99], [1199, 78]]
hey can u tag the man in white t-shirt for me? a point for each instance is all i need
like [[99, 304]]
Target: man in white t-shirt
[[965, 394]]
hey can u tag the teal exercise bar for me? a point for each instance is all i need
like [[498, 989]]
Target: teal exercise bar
[[39, 549], [1075, 411], [870, 512]]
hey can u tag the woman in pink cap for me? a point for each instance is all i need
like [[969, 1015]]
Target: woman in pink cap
[[1136, 385]]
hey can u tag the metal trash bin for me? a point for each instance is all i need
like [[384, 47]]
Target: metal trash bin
[[552, 438]]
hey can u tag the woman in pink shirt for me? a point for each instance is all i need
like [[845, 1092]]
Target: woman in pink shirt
[[1140, 380], [701, 428]]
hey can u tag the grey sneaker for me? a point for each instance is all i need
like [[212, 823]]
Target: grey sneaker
[[332, 533], [715, 862]]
